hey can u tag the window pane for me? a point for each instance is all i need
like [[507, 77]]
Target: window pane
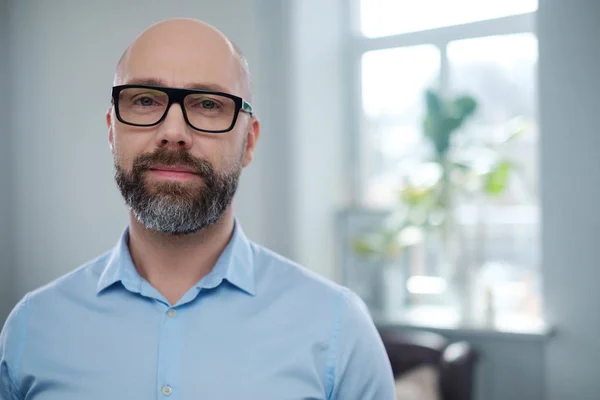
[[393, 86], [500, 71], [391, 17]]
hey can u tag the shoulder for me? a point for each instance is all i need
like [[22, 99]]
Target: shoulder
[[272, 270], [80, 282], [39, 302], [32, 317], [307, 290]]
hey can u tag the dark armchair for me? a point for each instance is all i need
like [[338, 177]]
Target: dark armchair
[[455, 361]]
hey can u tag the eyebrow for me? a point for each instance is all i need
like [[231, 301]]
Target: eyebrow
[[198, 85]]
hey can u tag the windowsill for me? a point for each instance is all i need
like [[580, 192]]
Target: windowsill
[[445, 321]]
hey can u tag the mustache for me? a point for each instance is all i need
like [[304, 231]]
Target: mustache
[[161, 156]]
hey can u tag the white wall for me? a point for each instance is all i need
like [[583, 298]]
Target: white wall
[[569, 70], [6, 263], [319, 140], [274, 82], [67, 206]]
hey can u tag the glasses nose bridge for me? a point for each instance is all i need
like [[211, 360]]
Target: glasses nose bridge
[[177, 96]]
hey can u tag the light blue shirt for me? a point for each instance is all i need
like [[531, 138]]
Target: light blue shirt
[[257, 327]]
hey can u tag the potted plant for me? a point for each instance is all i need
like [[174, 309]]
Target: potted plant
[[430, 193]]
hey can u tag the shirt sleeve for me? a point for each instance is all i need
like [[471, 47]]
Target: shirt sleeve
[[361, 368], [12, 340]]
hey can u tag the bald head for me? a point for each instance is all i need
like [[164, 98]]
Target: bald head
[[186, 51]]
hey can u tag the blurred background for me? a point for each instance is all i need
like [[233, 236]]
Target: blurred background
[[439, 157]]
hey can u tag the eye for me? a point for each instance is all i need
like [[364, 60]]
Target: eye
[[204, 102], [145, 101], [208, 104]]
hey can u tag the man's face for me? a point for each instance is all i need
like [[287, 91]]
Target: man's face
[[175, 179]]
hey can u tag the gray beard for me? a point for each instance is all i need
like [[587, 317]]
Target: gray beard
[[163, 214], [172, 207]]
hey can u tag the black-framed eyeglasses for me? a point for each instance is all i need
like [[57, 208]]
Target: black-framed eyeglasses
[[203, 110]]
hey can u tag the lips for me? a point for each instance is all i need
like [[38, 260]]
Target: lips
[[179, 173], [173, 168]]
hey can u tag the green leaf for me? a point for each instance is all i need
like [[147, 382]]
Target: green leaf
[[451, 124], [464, 106], [378, 245], [497, 179], [444, 118], [367, 245], [414, 196], [434, 103], [428, 126], [518, 129], [461, 166]]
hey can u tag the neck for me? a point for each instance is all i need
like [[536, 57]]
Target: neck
[[174, 264]]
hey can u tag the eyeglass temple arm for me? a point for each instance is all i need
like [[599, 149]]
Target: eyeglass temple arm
[[246, 107]]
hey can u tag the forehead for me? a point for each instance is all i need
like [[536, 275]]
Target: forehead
[[182, 61]]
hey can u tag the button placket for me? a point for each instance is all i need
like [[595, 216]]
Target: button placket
[[169, 353]]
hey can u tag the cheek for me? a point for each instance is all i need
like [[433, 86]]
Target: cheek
[[219, 151], [231, 157], [127, 148], [121, 159], [119, 152]]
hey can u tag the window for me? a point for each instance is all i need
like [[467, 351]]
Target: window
[[484, 48]]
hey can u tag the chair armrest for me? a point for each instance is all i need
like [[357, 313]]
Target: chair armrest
[[410, 349], [457, 371]]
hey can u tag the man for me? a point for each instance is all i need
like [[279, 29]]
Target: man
[[185, 306]]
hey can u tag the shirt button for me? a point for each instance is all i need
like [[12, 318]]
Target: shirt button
[[166, 390], [172, 312]]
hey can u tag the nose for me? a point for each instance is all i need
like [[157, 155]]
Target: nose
[[173, 131]]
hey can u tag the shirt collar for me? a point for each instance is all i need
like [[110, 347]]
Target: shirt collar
[[120, 268], [235, 265]]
